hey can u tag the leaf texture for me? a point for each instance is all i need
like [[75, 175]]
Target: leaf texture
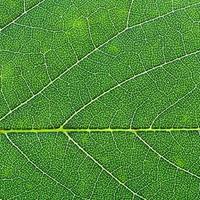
[[99, 99]]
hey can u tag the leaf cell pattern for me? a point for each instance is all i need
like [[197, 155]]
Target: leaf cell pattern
[[99, 99]]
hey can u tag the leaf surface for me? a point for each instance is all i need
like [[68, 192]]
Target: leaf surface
[[99, 99]]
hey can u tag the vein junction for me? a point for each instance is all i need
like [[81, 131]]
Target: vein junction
[[84, 130]]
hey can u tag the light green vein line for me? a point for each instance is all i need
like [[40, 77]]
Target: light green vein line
[[77, 130], [21, 15]]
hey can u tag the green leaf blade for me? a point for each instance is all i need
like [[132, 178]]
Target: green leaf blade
[[99, 100]]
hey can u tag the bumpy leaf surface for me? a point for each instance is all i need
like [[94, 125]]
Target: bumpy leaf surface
[[99, 99]]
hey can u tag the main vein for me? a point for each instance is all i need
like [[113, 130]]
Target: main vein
[[86, 130]]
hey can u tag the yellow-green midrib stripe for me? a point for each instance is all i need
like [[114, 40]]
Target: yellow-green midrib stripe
[[68, 130]]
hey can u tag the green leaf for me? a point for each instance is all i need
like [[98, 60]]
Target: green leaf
[[100, 99]]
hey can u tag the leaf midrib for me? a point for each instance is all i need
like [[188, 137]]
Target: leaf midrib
[[86, 130]]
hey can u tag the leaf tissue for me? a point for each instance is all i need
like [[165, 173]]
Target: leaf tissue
[[100, 99]]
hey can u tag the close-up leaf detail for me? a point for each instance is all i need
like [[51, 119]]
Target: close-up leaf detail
[[100, 99]]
